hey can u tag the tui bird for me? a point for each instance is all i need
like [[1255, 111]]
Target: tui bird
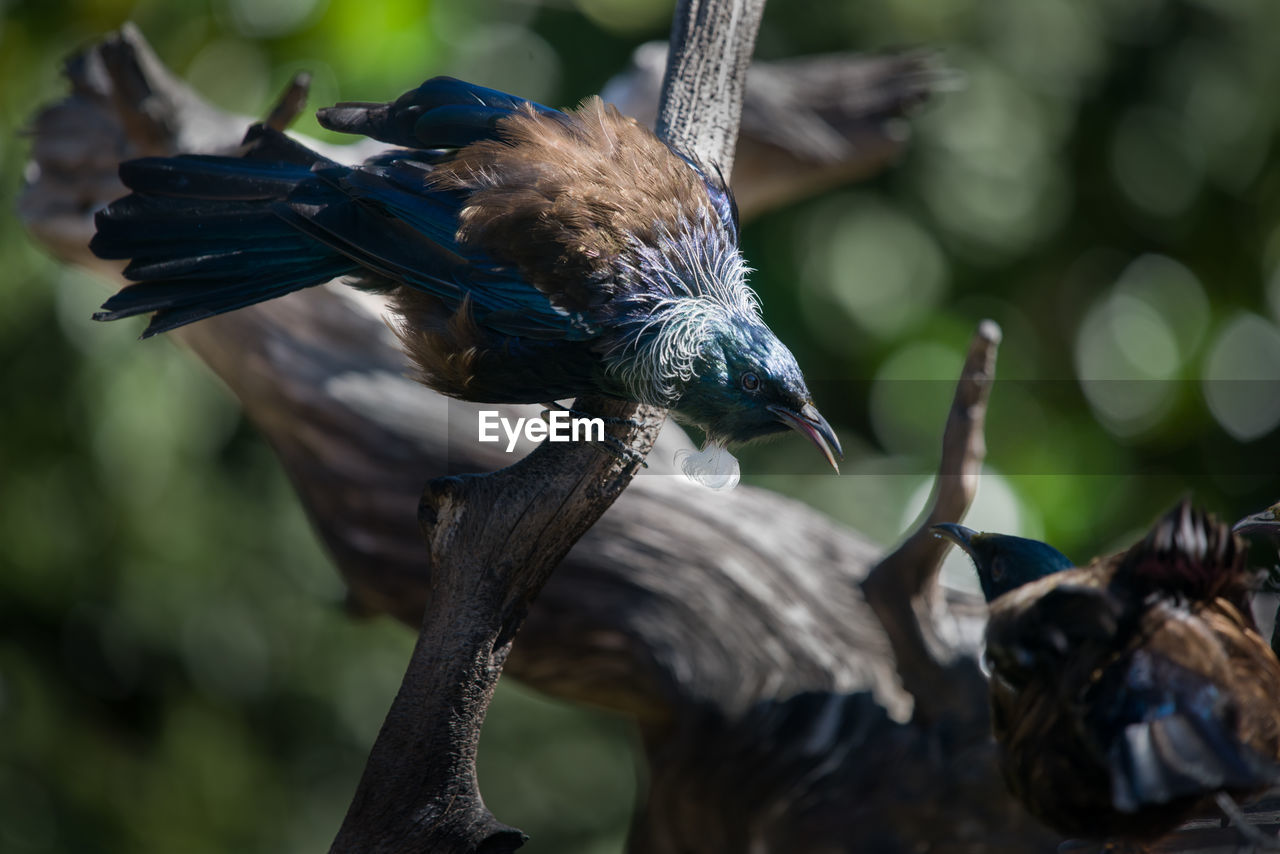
[[1131, 692], [1003, 561], [531, 254]]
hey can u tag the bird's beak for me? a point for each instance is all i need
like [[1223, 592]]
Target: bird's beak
[[958, 534], [1263, 522], [810, 423]]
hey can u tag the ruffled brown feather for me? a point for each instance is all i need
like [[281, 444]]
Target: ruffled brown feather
[[1189, 553], [442, 346], [561, 197]]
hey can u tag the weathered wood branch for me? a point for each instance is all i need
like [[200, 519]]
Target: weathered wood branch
[[700, 107], [290, 104], [902, 588], [495, 538], [808, 123]]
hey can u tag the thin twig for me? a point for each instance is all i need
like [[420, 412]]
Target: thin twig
[[290, 103]]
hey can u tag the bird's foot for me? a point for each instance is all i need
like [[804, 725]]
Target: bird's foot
[[578, 413], [613, 446], [1255, 839], [617, 448]]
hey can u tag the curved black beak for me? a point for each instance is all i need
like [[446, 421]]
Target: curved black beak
[[1263, 522], [958, 534], [810, 423]]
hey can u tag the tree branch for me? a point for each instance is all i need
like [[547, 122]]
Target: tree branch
[[291, 102], [700, 108], [495, 538], [809, 123], [901, 588]]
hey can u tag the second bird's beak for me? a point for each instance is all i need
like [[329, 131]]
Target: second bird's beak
[[1266, 521], [810, 423], [958, 534]]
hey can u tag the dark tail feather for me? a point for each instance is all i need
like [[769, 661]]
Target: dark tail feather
[[203, 238], [177, 302]]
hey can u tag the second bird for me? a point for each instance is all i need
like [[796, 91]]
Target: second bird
[[1132, 692], [532, 255]]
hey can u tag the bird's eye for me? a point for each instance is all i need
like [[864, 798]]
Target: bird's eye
[[750, 381]]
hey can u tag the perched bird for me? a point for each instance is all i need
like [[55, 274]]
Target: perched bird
[[1003, 561], [1129, 693], [531, 254]]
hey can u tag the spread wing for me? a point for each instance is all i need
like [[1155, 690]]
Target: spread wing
[[1170, 733]]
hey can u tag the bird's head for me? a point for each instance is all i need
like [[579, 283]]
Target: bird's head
[[1264, 522], [1263, 525], [748, 386], [1004, 562]]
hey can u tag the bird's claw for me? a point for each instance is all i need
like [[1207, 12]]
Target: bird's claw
[[578, 413], [1254, 838], [611, 445], [617, 448]]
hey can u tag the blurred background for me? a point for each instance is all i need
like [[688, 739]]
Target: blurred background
[[176, 671]]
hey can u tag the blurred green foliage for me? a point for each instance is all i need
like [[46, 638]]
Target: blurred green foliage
[[176, 673]]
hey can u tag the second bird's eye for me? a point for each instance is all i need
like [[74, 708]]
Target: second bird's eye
[[750, 381]]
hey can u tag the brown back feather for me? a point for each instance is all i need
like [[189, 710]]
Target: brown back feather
[[560, 197], [1190, 553], [443, 347]]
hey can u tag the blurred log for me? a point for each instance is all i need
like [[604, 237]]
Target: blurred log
[[732, 627], [808, 124]]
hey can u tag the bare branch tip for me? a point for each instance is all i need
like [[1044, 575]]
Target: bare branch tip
[[129, 32], [989, 332], [290, 103]]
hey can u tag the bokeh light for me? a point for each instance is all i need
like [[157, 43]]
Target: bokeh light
[[1134, 342], [628, 16], [910, 397], [1152, 162], [255, 19], [234, 74], [1242, 377], [877, 266], [991, 172]]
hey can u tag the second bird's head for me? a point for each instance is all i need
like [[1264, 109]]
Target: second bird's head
[[1004, 562], [747, 386], [1264, 522]]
